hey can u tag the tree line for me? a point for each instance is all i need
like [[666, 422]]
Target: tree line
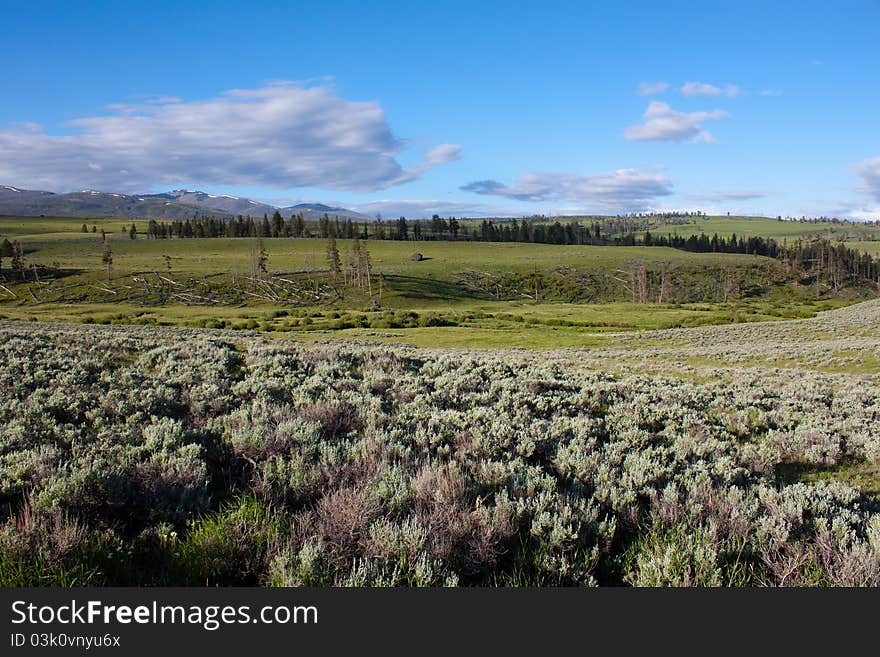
[[817, 258], [835, 263]]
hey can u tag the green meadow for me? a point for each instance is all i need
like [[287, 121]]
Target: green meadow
[[460, 294]]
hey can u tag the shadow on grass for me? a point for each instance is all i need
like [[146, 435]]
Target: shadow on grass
[[863, 475], [414, 287]]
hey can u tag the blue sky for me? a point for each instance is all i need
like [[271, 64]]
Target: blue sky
[[451, 107]]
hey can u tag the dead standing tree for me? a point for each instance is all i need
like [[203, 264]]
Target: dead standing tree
[[364, 267], [641, 278], [357, 271], [333, 262], [636, 283], [664, 283], [259, 260]]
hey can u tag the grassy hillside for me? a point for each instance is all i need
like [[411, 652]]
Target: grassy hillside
[[868, 247], [460, 294], [767, 227], [38, 228], [62, 242]]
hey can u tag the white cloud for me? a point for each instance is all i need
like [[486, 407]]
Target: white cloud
[[732, 91], [163, 100], [705, 89], [854, 210], [864, 214], [866, 207], [662, 123], [422, 208], [861, 213], [651, 88], [728, 195], [770, 92], [623, 190], [869, 172], [282, 135], [442, 154]]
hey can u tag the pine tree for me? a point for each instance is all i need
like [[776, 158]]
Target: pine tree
[[299, 225], [132, 232], [277, 224]]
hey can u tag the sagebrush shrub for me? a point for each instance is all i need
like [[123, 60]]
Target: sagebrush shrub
[[143, 455]]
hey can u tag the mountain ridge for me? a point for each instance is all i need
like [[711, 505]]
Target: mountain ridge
[[174, 204]]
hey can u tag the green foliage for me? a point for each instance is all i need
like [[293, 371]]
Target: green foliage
[[674, 557], [229, 547]]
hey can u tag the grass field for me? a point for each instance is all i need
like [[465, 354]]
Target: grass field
[[442, 259], [432, 302], [872, 247], [768, 227]]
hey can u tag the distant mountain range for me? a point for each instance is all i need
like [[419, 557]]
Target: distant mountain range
[[177, 204]]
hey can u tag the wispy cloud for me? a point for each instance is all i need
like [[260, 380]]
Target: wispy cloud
[[662, 123], [728, 195], [705, 89], [163, 100], [282, 135], [442, 154], [860, 213], [770, 92], [869, 172], [651, 88], [422, 208], [853, 209], [623, 190]]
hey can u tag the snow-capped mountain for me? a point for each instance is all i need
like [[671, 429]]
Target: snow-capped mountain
[[176, 204]]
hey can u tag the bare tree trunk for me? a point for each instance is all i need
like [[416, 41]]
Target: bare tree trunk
[[664, 283]]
